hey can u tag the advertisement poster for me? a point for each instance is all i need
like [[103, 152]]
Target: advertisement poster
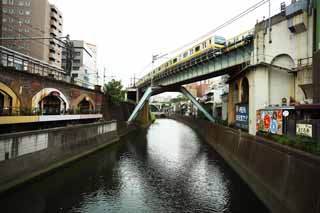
[[270, 121], [242, 115]]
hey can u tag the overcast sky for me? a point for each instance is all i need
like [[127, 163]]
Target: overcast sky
[[129, 32]]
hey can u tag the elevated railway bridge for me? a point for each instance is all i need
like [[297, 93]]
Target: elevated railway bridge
[[208, 64]]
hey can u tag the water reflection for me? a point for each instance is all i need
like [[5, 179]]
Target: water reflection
[[167, 169]]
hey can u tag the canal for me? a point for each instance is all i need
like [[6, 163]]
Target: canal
[[167, 168]]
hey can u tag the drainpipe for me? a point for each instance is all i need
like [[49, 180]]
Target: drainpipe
[[317, 25], [316, 54]]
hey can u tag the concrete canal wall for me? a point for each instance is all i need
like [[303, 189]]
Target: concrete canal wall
[[285, 179], [26, 155]]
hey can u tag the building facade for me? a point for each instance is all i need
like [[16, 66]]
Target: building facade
[[280, 71], [84, 67], [24, 19]]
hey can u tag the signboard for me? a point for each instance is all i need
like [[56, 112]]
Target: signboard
[[242, 116], [304, 130], [270, 121]]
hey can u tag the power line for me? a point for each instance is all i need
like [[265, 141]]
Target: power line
[[39, 42], [230, 21]]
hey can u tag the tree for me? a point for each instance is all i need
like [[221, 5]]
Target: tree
[[178, 99], [115, 90]]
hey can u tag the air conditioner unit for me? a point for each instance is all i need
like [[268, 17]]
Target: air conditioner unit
[[284, 101]]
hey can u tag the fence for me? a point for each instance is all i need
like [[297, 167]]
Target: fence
[[20, 62], [13, 111]]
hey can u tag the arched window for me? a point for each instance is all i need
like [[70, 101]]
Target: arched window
[[85, 106], [245, 91], [52, 104], [5, 103]]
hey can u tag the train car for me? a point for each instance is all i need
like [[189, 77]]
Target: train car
[[239, 40], [215, 42]]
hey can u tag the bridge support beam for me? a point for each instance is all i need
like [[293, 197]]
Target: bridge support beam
[[141, 103], [196, 103], [156, 90]]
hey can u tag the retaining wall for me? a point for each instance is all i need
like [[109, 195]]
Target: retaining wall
[[285, 179], [26, 155]]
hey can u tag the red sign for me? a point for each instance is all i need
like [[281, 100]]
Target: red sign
[[267, 121]]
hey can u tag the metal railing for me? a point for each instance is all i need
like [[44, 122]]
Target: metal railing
[[13, 111], [20, 62]]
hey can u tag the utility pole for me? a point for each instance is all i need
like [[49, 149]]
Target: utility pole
[[104, 76], [154, 58], [69, 55]]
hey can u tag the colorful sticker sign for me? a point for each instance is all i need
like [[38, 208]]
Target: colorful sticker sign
[[270, 121]]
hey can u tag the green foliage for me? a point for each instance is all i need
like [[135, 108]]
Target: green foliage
[[299, 142], [178, 99], [152, 117], [208, 108], [115, 90]]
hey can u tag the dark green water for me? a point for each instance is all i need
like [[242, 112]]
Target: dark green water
[[166, 169]]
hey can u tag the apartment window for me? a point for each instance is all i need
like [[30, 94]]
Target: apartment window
[[4, 10], [28, 12], [4, 20], [75, 68], [11, 2], [11, 11], [77, 61], [76, 53], [27, 21], [4, 1], [21, 3], [74, 76], [27, 30], [21, 12], [11, 20], [27, 3]]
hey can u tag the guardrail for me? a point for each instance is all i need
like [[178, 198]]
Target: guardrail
[[12, 111], [20, 62]]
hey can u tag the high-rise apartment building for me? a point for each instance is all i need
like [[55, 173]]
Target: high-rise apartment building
[[23, 19], [84, 63]]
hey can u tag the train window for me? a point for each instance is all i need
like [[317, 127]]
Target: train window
[[197, 48], [204, 45], [185, 54]]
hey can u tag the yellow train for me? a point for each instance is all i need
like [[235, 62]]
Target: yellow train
[[217, 43]]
